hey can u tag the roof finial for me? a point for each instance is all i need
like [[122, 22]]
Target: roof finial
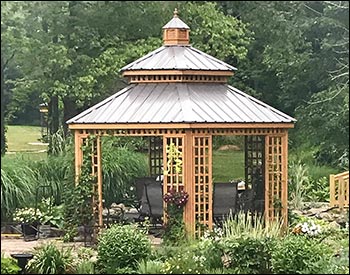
[[175, 13]]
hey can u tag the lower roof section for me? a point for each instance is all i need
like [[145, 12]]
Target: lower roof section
[[200, 103]]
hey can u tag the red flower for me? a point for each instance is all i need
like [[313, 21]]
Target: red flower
[[178, 198]]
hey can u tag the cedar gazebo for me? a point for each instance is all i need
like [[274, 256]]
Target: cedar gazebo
[[178, 96]]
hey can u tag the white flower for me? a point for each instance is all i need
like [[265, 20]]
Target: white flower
[[305, 227]]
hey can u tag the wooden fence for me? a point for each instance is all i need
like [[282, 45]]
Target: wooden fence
[[339, 190]]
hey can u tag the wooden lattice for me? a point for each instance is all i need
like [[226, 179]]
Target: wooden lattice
[[276, 177], [202, 178], [173, 164], [339, 190], [173, 159], [95, 153], [254, 170], [156, 156], [266, 151]]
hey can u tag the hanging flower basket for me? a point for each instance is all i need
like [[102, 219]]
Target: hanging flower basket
[[175, 227]]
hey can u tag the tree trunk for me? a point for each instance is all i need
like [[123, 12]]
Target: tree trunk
[[70, 110], [53, 115]]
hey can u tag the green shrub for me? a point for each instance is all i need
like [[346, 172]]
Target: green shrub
[[85, 267], [149, 267], [299, 255], [85, 260], [210, 247], [299, 179], [9, 265], [251, 225], [49, 259], [53, 171], [248, 255], [318, 190], [21, 177], [338, 264], [120, 167], [122, 246], [17, 186], [184, 263]]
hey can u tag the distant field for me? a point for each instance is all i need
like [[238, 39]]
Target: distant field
[[19, 139], [228, 165]]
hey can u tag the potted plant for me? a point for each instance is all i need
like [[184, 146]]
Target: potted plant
[[29, 219]]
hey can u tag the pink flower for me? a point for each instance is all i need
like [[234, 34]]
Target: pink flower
[[178, 198]]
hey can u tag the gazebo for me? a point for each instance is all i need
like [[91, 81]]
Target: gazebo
[[178, 96]]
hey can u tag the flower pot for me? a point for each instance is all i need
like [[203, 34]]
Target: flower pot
[[30, 231]]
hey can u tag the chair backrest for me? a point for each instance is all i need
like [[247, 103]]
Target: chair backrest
[[154, 192], [224, 198], [140, 186]]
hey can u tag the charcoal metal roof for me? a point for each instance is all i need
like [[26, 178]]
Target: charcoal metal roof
[[178, 58], [176, 23], [181, 103]]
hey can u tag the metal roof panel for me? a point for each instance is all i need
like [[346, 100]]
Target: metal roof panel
[[178, 58], [176, 23], [181, 103]]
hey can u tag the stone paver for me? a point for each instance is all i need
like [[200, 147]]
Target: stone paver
[[9, 245], [18, 245]]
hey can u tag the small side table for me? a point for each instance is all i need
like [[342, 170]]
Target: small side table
[[22, 259]]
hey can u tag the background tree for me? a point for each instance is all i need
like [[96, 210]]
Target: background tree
[[292, 55]]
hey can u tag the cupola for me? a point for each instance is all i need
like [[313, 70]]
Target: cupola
[[176, 32]]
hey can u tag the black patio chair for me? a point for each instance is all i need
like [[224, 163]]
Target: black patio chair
[[141, 203], [154, 194], [246, 201], [224, 200], [140, 189]]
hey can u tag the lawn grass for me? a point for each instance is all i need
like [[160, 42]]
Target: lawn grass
[[19, 138], [228, 165]]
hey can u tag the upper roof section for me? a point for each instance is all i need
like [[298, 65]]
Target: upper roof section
[[176, 32], [177, 61], [180, 103], [178, 58], [176, 23]]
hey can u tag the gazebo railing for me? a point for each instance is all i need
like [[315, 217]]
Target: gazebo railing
[[339, 190]]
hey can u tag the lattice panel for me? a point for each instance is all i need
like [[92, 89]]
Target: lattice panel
[[339, 190], [202, 178], [173, 156], [173, 159], [275, 177], [156, 156], [254, 169], [94, 172]]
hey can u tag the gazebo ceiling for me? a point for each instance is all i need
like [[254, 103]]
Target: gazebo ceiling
[[180, 103]]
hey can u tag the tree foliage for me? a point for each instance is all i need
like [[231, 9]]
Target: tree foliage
[[292, 55]]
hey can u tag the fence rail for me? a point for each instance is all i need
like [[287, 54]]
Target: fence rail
[[339, 190]]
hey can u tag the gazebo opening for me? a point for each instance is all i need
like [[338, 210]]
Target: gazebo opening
[[178, 97]]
